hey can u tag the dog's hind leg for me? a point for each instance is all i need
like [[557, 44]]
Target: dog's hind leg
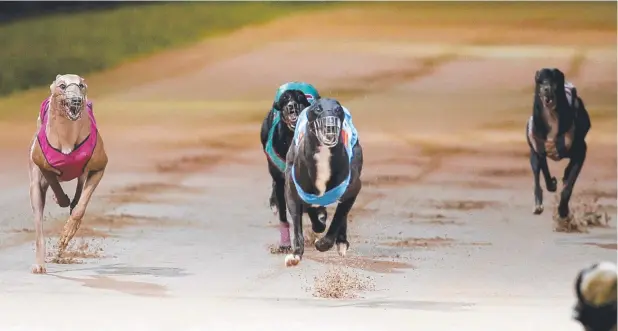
[[75, 219], [78, 191], [571, 174], [538, 191], [338, 223], [38, 190], [317, 215], [61, 198], [272, 201]]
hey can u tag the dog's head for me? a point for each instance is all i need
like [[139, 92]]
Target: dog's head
[[290, 104], [325, 118], [595, 288], [549, 86], [69, 93]]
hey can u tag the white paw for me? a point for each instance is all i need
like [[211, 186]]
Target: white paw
[[538, 209], [342, 249], [275, 210], [38, 269], [292, 260]]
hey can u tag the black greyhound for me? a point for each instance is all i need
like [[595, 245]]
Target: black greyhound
[[276, 136], [557, 129], [323, 167]]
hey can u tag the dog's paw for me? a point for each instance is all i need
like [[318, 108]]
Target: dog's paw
[[63, 202], [38, 269], [292, 260], [274, 210], [538, 209], [342, 248], [324, 244], [568, 224], [552, 186]]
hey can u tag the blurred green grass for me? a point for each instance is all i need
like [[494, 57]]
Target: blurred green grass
[[565, 15], [35, 50]]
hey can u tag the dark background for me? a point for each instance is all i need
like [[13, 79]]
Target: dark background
[[15, 10]]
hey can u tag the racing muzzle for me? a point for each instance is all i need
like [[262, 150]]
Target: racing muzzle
[[290, 114], [327, 129], [72, 101], [547, 94]]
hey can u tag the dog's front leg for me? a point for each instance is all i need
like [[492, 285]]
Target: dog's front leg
[[298, 242], [535, 164], [38, 189], [338, 224], [284, 225], [342, 237], [571, 174], [72, 225]]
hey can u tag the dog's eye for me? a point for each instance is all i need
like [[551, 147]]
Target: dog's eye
[[62, 86], [81, 86]]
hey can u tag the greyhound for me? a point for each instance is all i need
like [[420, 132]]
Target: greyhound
[[66, 146], [276, 136], [323, 167], [557, 129], [595, 289]]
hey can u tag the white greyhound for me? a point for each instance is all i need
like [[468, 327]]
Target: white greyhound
[[66, 146]]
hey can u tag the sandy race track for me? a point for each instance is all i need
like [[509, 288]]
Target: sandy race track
[[443, 236]]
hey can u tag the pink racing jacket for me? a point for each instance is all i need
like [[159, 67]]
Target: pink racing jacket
[[70, 165]]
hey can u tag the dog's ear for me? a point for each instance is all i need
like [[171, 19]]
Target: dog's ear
[[537, 76], [52, 86], [276, 106], [559, 75], [313, 111], [302, 98], [339, 111], [279, 103], [83, 81]]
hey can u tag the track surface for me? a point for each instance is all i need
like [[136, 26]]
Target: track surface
[[177, 235]]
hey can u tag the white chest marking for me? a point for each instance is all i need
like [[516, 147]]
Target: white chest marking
[[66, 150], [322, 165]]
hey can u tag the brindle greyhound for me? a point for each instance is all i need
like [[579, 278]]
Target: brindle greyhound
[[323, 167], [557, 129], [66, 146], [276, 136], [595, 290]]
